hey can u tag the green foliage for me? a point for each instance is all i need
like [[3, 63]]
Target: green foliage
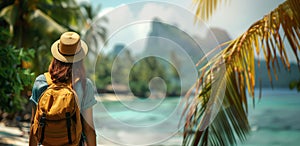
[[37, 24], [102, 73], [140, 75], [33, 24], [295, 84], [13, 78], [147, 69], [229, 124]]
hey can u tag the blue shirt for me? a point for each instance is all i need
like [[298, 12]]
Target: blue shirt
[[40, 85]]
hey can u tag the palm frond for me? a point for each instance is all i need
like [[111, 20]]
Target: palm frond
[[95, 32], [66, 13], [229, 122], [205, 8], [43, 23]]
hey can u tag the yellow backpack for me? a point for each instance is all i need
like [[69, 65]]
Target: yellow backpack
[[57, 118]]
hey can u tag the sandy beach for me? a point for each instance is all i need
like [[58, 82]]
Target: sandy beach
[[13, 136]]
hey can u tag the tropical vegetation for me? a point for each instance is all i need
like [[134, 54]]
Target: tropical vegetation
[[295, 84], [36, 24], [94, 32], [31, 24], [145, 70], [218, 114], [28, 25], [13, 78], [140, 74]]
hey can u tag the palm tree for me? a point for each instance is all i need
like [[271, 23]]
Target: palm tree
[[228, 124], [94, 33], [37, 23]]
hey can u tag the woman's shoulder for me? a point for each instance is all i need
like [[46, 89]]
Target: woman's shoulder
[[89, 82], [39, 86], [40, 80], [40, 77]]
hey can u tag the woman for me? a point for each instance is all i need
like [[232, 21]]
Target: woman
[[67, 67]]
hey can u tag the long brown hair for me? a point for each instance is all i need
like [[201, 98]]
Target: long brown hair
[[62, 72]]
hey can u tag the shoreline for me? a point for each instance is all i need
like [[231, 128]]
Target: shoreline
[[113, 97], [12, 135], [103, 97]]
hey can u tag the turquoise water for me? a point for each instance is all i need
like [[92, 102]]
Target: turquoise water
[[138, 122], [275, 121]]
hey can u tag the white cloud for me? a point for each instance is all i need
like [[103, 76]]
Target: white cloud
[[152, 10], [118, 18], [238, 15], [235, 17], [129, 23], [80, 1], [104, 12]]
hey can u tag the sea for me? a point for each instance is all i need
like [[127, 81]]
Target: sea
[[274, 120]]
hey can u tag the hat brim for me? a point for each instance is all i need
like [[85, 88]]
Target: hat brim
[[69, 59]]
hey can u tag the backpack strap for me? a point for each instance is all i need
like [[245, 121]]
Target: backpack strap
[[48, 78]]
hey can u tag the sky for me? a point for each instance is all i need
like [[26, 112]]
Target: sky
[[235, 17], [130, 17]]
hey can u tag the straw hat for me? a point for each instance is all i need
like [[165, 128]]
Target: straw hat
[[69, 48]]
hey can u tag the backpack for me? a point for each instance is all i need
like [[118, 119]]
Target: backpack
[[57, 118]]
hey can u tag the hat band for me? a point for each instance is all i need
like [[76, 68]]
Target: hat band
[[64, 54]]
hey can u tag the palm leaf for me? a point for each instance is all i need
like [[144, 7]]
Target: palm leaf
[[229, 122], [205, 8], [95, 32], [41, 22], [65, 12]]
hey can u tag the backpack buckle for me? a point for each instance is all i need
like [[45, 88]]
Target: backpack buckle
[[42, 122]]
